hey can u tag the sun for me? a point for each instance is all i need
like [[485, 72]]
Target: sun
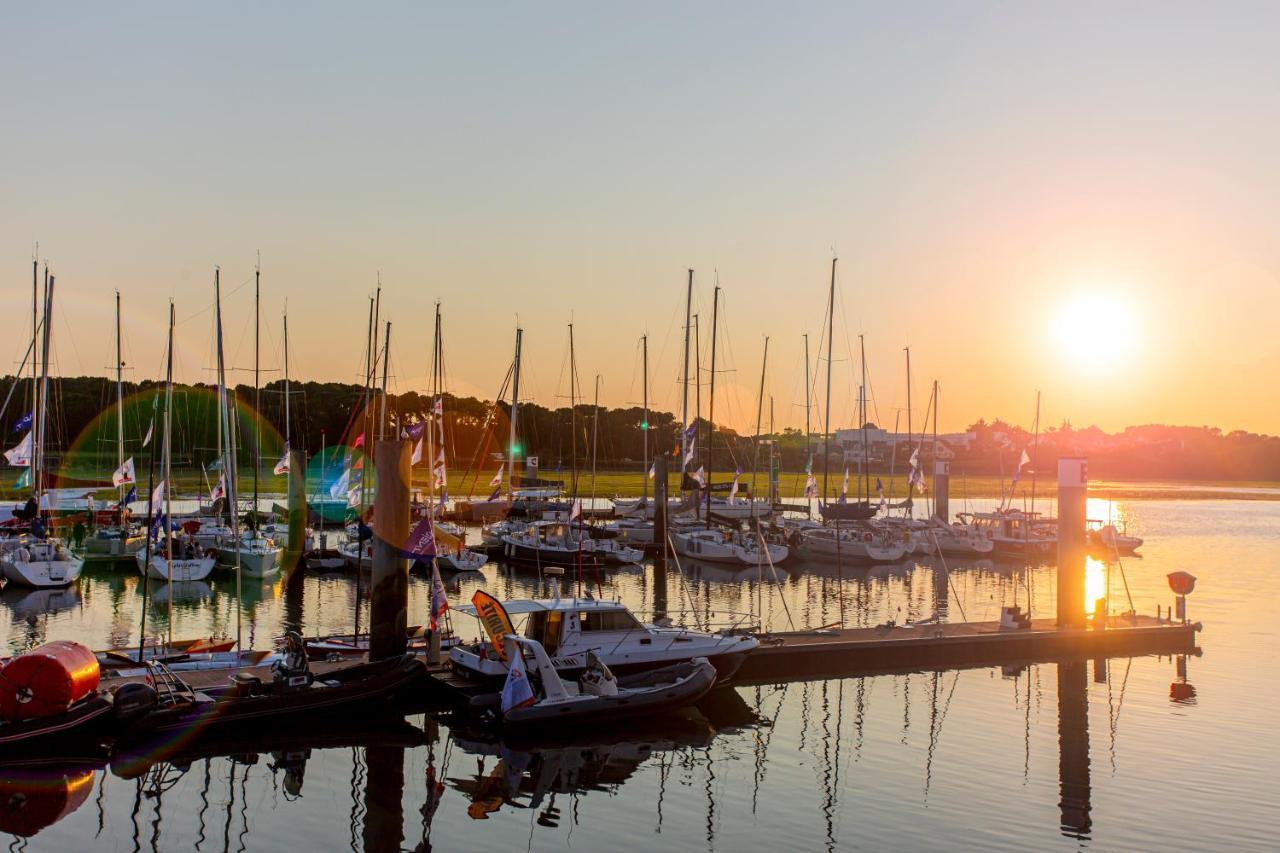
[[1096, 332]]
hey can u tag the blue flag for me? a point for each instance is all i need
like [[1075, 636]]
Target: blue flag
[[158, 526], [23, 422], [422, 540], [129, 498]]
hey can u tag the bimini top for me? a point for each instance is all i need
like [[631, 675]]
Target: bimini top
[[518, 606]]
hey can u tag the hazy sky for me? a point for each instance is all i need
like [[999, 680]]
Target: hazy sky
[[1077, 198]]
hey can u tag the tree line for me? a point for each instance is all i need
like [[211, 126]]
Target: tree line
[[83, 429]]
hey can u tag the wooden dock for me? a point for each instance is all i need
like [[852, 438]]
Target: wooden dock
[[804, 655]]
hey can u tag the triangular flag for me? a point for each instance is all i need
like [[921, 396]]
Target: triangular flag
[[157, 496], [575, 509], [516, 692], [150, 428], [497, 478], [416, 456], [219, 488]]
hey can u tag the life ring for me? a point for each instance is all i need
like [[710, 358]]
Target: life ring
[[867, 537]]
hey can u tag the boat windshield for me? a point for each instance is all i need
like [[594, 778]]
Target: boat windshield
[[607, 620]]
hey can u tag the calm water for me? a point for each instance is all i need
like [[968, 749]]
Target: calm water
[[980, 758]]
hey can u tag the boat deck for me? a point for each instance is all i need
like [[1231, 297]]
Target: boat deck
[[793, 656]]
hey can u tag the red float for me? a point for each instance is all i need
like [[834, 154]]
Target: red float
[[47, 680]]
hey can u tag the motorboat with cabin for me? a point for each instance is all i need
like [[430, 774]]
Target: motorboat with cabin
[[569, 628], [1015, 532]]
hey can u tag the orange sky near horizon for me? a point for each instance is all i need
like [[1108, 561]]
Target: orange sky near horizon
[[1071, 201]]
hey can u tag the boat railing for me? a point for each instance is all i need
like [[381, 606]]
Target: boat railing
[[727, 624]]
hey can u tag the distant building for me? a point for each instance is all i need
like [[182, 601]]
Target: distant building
[[880, 443]]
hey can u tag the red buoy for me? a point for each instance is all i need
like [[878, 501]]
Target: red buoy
[[47, 680], [1182, 583]]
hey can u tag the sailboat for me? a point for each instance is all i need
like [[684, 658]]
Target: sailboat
[[251, 553], [36, 559], [451, 553], [189, 562], [122, 539]]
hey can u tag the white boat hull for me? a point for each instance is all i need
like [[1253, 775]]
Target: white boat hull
[[161, 569], [253, 562], [41, 574]]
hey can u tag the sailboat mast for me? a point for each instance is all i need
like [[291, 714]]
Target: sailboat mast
[[644, 479], [910, 509], [38, 483], [573, 415], [513, 448], [826, 412], [286, 382], [711, 403], [862, 347], [684, 410], [755, 465], [595, 434], [386, 367], [229, 450], [370, 345], [119, 411], [934, 450], [431, 412], [1035, 451], [257, 393], [35, 319], [168, 463]]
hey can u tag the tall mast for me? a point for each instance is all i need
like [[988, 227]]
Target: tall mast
[[286, 382], [644, 480], [119, 411], [168, 462], [386, 366], [684, 410], [35, 319], [910, 510], [431, 415], [862, 346], [711, 404], [573, 414], [697, 384], [934, 451], [1035, 449], [826, 412], [38, 482], [755, 465], [257, 392], [595, 433], [513, 448], [229, 449], [369, 368]]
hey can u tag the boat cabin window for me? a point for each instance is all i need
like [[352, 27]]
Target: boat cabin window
[[607, 620], [545, 626]]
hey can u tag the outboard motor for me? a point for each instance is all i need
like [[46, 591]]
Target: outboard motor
[[293, 670], [134, 699]]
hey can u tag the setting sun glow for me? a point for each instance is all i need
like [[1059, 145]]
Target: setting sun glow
[[1096, 332]]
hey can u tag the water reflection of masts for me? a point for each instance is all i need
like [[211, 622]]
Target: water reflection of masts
[[204, 800], [936, 721]]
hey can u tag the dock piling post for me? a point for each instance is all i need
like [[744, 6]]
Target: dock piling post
[[389, 585], [941, 490], [1073, 488], [660, 536], [297, 503]]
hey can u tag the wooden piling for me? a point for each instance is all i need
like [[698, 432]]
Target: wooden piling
[[389, 585], [941, 490], [1073, 488], [297, 503], [660, 535]]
